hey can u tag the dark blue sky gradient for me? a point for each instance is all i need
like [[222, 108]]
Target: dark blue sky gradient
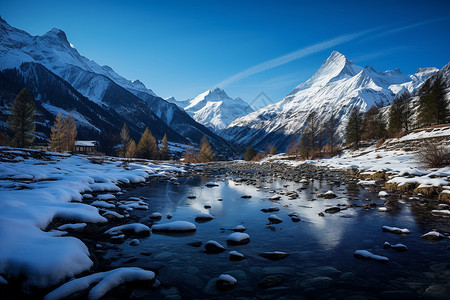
[[182, 48]]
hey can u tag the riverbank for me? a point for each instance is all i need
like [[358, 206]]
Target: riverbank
[[313, 217]]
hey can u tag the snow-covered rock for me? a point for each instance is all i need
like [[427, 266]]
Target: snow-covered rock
[[102, 204], [103, 282], [213, 247], [225, 282], [395, 230], [328, 195], [156, 216], [75, 226], [177, 226], [239, 228], [238, 238], [275, 219], [364, 254], [203, 217], [433, 236], [397, 247], [136, 228], [236, 256]]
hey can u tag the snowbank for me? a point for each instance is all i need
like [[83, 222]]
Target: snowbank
[[54, 188], [104, 281]]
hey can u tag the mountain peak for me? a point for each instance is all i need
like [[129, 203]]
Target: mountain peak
[[57, 33], [336, 56], [216, 94]]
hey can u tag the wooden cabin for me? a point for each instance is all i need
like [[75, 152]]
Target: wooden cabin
[[85, 147]]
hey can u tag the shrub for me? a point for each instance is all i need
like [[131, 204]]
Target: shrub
[[433, 155]]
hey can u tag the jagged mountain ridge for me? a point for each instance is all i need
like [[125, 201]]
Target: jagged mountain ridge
[[337, 87], [214, 108], [54, 95], [100, 84]]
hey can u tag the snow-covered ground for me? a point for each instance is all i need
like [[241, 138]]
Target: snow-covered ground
[[401, 166], [35, 188]]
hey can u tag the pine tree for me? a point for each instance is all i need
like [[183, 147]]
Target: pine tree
[[147, 146], [70, 132], [353, 129], [331, 126], [395, 117], [373, 125], [206, 154], [125, 140], [249, 154], [273, 150], [405, 103], [131, 149], [57, 136], [305, 146], [21, 120], [164, 151], [432, 102]]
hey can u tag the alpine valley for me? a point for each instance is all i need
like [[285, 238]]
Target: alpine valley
[[337, 87], [100, 100]]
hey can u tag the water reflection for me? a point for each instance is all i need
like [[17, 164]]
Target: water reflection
[[315, 244]]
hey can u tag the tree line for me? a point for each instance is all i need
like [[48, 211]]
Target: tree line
[[64, 132], [320, 139]]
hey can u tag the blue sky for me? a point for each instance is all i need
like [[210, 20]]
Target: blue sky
[[182, 48]]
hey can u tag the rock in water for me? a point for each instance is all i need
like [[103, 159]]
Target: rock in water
[[156, 216], [433, 236], [270, 281], [246, 197], [225, 282], [275, 255], [134, 242], [395, 230], [236, 256], [327, 195], [295, 217], [270, 209], [274, 219], [397, 247], [195, 244], [177, 226], [364, 254], [213, 247], [333, 209], [239, 228], [204, 217], [238, 238]]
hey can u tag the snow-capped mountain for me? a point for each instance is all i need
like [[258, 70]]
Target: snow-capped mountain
[[337, 87], [100, 84], [54, 51], [214, 108]]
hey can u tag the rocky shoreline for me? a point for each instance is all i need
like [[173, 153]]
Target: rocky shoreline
[[245, 173]]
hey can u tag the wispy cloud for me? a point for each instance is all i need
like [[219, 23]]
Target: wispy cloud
[[407, 27], [377, 54], [302, 52]]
